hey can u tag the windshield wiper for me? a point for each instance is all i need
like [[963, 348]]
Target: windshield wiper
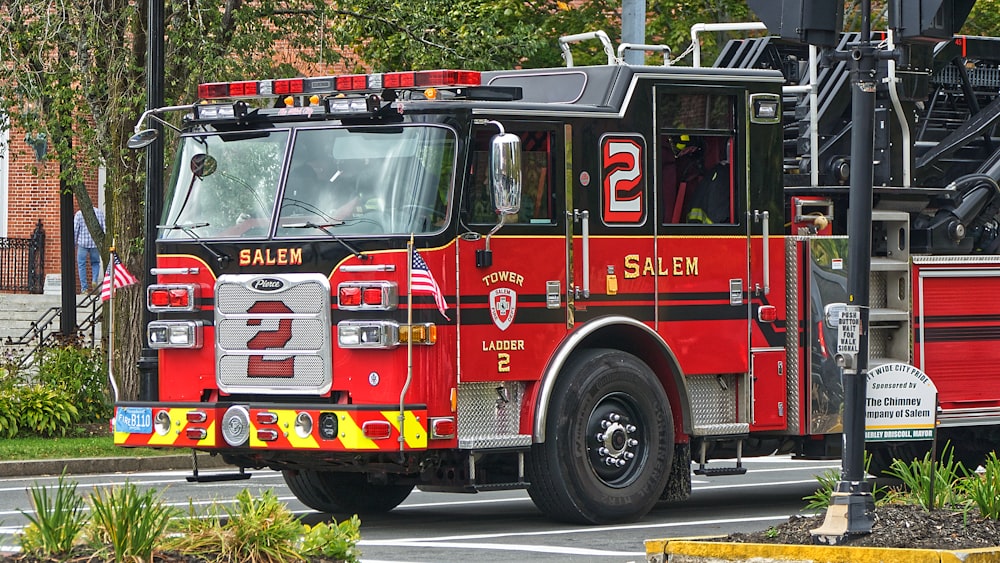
[[188, 229], [325, 227]]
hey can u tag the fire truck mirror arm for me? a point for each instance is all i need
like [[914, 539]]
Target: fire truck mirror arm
[[144, 137], [505, 180], [623, 333]]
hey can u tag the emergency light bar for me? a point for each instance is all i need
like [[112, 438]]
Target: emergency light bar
[[338, 84]]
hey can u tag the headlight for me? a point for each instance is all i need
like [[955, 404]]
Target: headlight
[[367, 334], [175, 334]]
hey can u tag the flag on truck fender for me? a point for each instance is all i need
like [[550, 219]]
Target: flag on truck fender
[[116, 275], [423, 283]]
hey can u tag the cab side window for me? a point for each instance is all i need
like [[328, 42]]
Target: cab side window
[[537, 172], [696, 143]]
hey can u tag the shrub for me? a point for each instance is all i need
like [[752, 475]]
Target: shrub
[[128, 523], [261, 530], [820, 500], [8, 411], [43, 410], [983, 490], [339, 541], [53, 529], [918, 475], [81, 373]]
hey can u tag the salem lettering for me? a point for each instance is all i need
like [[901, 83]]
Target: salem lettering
[[271, 257], [636, 266]]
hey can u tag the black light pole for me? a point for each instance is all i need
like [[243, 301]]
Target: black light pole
[[852, 505], [67, 262], [859, 227], [148, 369]]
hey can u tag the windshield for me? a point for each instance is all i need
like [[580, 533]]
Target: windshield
[[224, 185], [368, 180]]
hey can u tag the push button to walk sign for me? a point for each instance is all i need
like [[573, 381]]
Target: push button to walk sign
[[848, 336]]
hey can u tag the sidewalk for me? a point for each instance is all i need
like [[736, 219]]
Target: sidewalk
[[29, 468]]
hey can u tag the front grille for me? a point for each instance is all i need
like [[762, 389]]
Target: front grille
[[272, 334]]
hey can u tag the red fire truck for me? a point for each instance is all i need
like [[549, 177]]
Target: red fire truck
[[575, 280]]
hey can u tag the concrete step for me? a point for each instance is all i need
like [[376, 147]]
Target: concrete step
[[19, 311]]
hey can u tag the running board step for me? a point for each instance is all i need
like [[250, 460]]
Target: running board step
[[719, 471]]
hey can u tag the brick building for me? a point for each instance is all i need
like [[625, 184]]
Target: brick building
[[29, 193]]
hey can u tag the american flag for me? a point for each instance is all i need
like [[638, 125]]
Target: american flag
[[422, 282], [116, 274]]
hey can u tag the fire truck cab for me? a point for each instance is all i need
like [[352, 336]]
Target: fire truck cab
[[570, 280]]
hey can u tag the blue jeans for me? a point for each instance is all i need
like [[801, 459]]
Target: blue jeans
[[82, 254]]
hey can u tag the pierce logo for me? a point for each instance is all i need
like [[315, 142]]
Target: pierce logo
[[503, 306], [267, 284]]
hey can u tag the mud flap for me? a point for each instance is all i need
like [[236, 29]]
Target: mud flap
[[679, 483]]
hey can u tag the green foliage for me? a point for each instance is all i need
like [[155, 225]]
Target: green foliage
[[40, 410], [918, 474], [128, 524], [197, 534], [9, 413], [983, 490], [81, 374], [261, 530], [338, 541], [57, 521], [828, 480], [820, 500]]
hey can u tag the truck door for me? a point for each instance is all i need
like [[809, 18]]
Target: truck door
[[703, 246], [513, 312]]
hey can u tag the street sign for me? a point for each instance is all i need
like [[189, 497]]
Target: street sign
[[849, 330], [900, 404]]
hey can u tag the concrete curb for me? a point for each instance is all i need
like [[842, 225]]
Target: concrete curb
[[29, 468], [685, 551]]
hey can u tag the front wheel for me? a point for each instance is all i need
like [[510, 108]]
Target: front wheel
[[608, 441], [337, 492]]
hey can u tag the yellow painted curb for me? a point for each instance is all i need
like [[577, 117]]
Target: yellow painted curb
[[685, 551]]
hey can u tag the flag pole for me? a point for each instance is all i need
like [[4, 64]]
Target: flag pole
[[409, 341], [109, 273]]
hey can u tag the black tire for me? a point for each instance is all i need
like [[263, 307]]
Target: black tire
[[609, 442], [337, 492]]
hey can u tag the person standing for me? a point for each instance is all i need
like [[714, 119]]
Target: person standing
[[86, 249]]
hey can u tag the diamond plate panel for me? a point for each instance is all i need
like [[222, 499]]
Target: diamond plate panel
[[792, 292], [878, 344], [489, 415], [877, 296], [713, 399]]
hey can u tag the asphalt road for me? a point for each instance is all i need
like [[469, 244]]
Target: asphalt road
[[495, 526]]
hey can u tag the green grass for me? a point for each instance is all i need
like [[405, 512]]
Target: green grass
[[72, 448]]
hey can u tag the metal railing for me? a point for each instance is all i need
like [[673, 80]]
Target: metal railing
[[45, 332], [22, 262]]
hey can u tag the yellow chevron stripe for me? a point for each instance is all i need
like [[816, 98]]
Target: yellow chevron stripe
[[415, 432]]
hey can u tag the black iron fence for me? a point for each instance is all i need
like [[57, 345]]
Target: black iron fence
[[22, 262]]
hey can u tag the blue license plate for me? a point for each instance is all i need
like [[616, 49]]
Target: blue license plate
[[134, 420]]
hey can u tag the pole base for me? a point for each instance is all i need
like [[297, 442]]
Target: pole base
[[849, 514]]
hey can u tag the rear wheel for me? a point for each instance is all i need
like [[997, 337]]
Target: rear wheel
[[330, 491], [609, 442]]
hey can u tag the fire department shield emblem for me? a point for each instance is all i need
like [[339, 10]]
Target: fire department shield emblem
[[503, 306]]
